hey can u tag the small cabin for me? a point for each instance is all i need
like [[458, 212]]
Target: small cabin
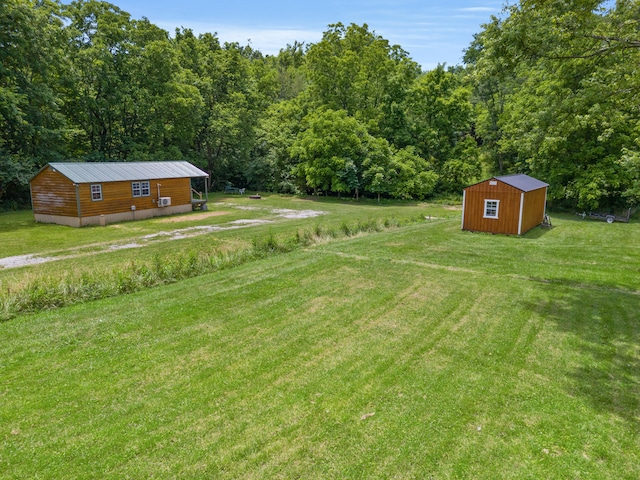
[[509, 204], [79, 194]]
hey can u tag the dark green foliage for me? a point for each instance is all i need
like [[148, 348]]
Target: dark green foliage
[[549, 89], [15, 173], [557, 91], [33, 66]]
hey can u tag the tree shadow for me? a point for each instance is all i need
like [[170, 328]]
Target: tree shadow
[[14, 222], [605, 323], [361, 202]]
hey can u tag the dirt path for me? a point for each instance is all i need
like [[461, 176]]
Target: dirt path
[[192, 216], [162, 236]]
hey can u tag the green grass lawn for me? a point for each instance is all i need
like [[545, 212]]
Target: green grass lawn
[[20, 235], [417, 352]]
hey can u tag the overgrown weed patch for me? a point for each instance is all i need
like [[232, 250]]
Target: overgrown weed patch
[[54, 291]]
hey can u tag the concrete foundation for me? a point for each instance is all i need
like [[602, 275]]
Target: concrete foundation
[[113, 217]]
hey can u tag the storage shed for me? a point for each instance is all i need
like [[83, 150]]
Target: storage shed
[[79, 194], [510, 204]]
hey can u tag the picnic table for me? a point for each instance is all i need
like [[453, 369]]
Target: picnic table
[[232, 189]]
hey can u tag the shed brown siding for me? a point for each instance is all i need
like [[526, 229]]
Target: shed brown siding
[[508, 213], [534, 209], [56, 199], [117, 197], [53, 194]]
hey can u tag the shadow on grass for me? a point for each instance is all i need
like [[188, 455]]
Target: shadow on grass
[[17, 221], [536, 232], [361, 202], [605, 325]]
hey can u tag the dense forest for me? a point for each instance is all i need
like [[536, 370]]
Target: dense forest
[[551, 89]]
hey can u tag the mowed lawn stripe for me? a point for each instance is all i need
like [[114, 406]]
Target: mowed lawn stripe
[[321, 365], [580, 253]]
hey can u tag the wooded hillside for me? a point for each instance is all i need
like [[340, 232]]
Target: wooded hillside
[[547, 89]]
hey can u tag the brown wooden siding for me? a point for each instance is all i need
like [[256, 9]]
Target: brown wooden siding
[[508, 213], [117, 197], [53, 194], [509, 210], [534, 208]]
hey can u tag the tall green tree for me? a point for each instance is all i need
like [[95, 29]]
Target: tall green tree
[[439, 118], [168, 101], [101, 99], [33, 129], [289, 66], [337, 154], [278, 130], [236, 90], [410, 175], [355, 70], [438, 113], [332, 145], [377, 174], [571, 113], [130, 95], [492, 82]]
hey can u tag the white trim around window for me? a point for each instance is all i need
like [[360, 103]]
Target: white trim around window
[[96, 192], [491, 208], [140, 189]]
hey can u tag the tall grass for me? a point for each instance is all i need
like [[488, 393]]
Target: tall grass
[[54, 291]]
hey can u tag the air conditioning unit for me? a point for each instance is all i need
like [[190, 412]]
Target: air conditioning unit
[[164, 201]]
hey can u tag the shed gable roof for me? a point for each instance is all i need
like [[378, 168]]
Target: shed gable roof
[[103, 172], [522, 182]]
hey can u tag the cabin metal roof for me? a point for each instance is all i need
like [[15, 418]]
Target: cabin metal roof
[[94, 172], [522, 182]]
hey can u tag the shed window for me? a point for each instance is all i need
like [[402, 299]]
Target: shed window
[[491, 208], [96, 192], [140, 189]]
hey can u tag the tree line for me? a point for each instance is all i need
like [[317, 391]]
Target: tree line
[[550, 89]]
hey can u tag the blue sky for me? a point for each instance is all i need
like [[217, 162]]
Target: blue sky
[[431, 31]]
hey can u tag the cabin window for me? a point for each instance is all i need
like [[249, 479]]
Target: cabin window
[[140, 189], [96, 192], [491, 208]]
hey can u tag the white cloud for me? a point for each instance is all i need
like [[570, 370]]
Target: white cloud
[[429, 39], [269, 41], [478, 9]]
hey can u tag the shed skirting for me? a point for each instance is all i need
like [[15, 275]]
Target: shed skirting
[[112, 217]]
